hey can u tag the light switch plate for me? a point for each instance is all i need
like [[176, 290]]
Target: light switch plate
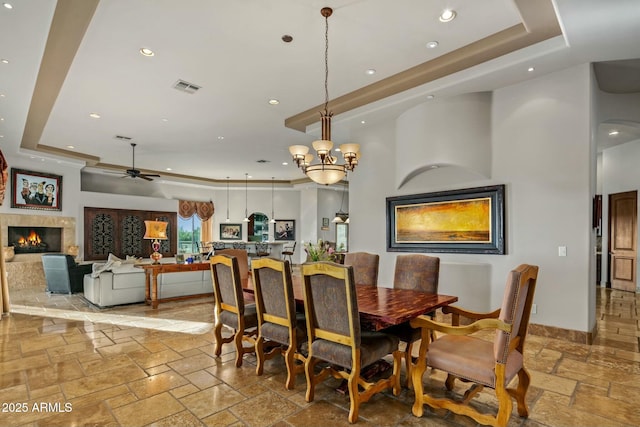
[[562, 251]]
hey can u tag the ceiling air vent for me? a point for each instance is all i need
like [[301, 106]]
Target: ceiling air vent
[[262, 161], [123, 138], [183, 86]]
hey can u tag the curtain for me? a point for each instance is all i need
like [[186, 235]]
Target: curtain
[[187, 208], [204, 210]]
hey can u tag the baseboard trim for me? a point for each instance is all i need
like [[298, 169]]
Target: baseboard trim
[[579, 337]]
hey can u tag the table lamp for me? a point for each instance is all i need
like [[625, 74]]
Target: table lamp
[[155, 231]]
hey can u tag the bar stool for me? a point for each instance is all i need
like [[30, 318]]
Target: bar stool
[[288, 251]]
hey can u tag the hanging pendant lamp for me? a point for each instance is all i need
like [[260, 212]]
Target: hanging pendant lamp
[[246, 198], [227, 220], [273, 217]]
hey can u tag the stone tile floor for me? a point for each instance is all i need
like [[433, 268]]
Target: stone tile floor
[[64, 362]]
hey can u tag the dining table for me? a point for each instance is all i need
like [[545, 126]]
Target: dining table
[[380, 307]]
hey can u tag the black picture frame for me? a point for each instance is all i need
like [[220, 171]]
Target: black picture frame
[[43, 191], [284, 229], [230, 231], [470, 220]]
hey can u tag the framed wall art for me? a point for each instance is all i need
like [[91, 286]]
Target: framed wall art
[[230, 231], [285, 229], [35, 190], [458, 221]]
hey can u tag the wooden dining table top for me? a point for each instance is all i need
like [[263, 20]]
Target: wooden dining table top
[[382, 307]]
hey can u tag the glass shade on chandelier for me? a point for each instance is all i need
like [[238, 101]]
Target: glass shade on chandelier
[[155, 231]]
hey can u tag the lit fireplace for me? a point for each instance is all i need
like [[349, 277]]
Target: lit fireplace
[[35, 239]]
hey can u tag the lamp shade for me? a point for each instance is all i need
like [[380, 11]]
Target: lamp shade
[[155, 230], [322, 146]]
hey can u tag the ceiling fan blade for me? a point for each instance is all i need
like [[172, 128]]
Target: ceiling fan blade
[[145, 177], [152, 175]]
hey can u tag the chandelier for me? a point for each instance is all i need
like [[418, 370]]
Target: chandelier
[[327, 170]]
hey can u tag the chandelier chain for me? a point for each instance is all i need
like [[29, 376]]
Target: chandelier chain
[[326, 64]]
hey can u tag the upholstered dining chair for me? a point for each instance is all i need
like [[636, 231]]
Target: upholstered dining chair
[[334, 334], [278, 321], [365, 267], [243, 261], [417, 272], [230, 309], [481, 362]]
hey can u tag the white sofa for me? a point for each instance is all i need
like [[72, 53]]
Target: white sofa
[[125, 284]]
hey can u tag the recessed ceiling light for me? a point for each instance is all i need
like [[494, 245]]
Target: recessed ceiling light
[[284, 163], [447, 15], [7, 5], [1, 136], [2, 95], [164, 119], [221, 137], [71, 147], [363, 122], [169, 169], [94, 115], [338, 149], [4, 61], [274, 102], [432, 44], [370, 71], [430, 96], [614, 132], [1, 119], [147, 52], [530, 69]]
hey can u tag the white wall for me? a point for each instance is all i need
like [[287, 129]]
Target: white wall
[[541, 151]]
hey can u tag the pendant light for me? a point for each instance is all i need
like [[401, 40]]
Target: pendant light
[[273, 217], [228, 200], [341, 216], [246, 198]]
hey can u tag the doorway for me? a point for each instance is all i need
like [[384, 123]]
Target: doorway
[[623, 220]]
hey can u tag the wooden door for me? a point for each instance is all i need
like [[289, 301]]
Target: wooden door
[[623, 220]]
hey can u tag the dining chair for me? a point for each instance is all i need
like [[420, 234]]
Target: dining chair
[[417, 272], [335, 337], [278, 321], [230, 308], [243, 261], [288, 251], [479, 361], [365, 267]]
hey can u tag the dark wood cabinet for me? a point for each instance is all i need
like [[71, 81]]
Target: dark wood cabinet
[[121, 231]]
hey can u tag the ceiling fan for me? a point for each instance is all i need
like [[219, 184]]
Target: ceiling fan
[[135, 173]]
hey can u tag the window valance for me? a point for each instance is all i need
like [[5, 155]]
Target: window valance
[[187, 208]]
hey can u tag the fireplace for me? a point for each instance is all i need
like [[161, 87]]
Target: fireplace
[[34, 240]]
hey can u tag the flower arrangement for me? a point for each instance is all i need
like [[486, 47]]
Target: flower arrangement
[[322, 251]]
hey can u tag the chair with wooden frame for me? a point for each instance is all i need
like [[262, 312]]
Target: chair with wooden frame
[[278, 321], [243, 261], [365, 267], [481, 362], [230, 309], [334, 334], [288, 251], [418, 272]]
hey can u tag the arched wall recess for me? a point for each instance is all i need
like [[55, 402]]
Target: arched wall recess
[[448, 132], [440, 176]]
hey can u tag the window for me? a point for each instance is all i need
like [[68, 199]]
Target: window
[[189, 234]]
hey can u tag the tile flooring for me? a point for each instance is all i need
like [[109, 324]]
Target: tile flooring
[[64, 362]]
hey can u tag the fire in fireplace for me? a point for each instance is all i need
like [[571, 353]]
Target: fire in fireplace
[[35, 239]]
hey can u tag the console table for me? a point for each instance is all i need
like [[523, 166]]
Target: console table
[[151, 272]]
